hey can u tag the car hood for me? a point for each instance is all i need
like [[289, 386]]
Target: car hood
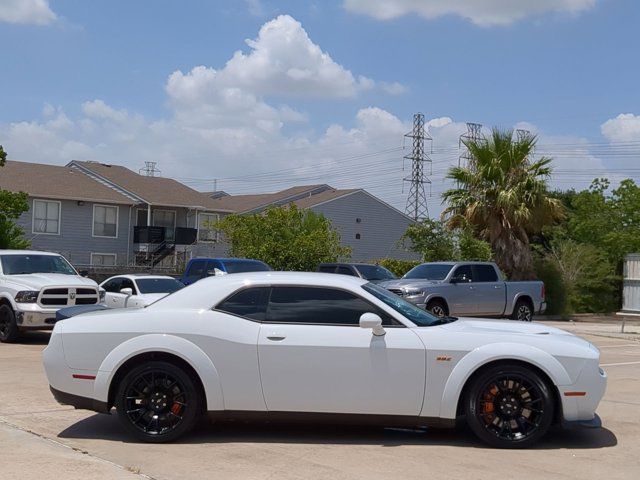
[[482, 326], [409, 283], [35, 281]]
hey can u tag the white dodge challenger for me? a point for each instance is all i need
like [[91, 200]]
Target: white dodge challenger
[[319, 347]]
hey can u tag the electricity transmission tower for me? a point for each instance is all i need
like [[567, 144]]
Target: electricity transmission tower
[[473, 134], [417, 199], [149, 169]]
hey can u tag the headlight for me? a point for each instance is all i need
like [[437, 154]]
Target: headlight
[[103, 294], [410, 292], [27, 296]]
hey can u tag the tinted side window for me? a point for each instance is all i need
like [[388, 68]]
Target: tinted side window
[[113, 285], [346, 271], [249, 303], [127, 283], [317, 306], [327, 268], [464, 270], [197, 268], [484, 273]]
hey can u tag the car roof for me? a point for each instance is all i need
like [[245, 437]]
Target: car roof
[[200, 293], [139, 276], [28, 252], [228, 260]]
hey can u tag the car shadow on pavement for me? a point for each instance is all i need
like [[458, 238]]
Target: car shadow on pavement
[[36, 337], [107, 427]]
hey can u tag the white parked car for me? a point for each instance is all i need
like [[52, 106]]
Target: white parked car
[[321, 347], [34, 286], [132, 291]]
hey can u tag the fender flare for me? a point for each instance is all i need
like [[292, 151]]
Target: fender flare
[[515, 299], [481, 356], [439, 296], [178, 346], [10, 299]]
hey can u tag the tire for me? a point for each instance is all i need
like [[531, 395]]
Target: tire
[[167, 399], [523, 311], [509, 406], [438, 308], [9, 332]]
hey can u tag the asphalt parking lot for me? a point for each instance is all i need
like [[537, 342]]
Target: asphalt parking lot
[[41, 439]]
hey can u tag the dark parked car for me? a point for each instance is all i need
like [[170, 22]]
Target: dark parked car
[[199, 268], [373, 273]]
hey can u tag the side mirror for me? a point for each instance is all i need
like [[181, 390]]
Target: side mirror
[[127, 291], [372, 321]]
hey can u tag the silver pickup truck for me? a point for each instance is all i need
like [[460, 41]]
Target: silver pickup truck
[[469, 289]]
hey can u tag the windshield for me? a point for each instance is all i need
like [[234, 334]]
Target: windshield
[[420, 317], [241, 267], [429, 271], [158, 285], [375, 272], [25, 264]]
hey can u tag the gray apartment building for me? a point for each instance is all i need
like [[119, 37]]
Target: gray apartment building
[[104, 215]]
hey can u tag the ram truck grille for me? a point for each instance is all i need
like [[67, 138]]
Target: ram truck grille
[[68, 296]]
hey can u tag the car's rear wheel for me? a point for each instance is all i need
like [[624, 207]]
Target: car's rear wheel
[[438, 308], [158, 402], [509, 406], [522, 311], [8, 328]]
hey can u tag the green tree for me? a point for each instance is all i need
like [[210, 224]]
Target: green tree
[[12, 205], [286, 238], [502, 195], [430, 239], [435, 242]]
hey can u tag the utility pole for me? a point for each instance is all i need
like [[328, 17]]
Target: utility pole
[[149, 169], [417, 199], [473, 134]]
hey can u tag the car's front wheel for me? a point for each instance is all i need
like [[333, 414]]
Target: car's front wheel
[[8, 328], [158, 402], [509, 406]]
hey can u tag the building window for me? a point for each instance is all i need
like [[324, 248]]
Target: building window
[[164, 218], [357, 236], [103, 259], [46, 217], [105, 221], [358, 220], [206, 232]]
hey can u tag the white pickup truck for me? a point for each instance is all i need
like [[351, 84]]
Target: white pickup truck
[[34, 286]]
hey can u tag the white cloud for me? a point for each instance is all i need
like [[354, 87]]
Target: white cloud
[[282, 61], [32, 12], [394, 88], [480, 12], [623, 128]]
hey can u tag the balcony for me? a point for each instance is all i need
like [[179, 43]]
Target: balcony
[[165, 235]]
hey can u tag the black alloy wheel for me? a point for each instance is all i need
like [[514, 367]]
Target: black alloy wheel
[[509, 407], [8, 328], [522, 311], [158, 402]]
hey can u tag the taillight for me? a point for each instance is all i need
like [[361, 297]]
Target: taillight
[[543, 292]]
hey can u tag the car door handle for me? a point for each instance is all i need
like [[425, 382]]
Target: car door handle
[[471, 288], [497, 287], [276, 338]]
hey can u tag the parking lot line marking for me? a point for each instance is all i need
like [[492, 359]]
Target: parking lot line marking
[[623, 345], [621, 363]]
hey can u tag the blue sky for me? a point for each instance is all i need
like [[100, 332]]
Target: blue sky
[[96, 81]]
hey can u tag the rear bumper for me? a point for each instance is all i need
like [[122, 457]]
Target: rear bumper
[[542, 308], [78, 402]]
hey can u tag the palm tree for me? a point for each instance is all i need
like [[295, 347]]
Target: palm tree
[[502, 195]]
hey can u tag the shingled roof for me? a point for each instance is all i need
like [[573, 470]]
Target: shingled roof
[[157, 191], [61, 183], [250, 203]]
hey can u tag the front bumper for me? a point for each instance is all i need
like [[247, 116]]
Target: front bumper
[[580, 400], [35, 318]]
